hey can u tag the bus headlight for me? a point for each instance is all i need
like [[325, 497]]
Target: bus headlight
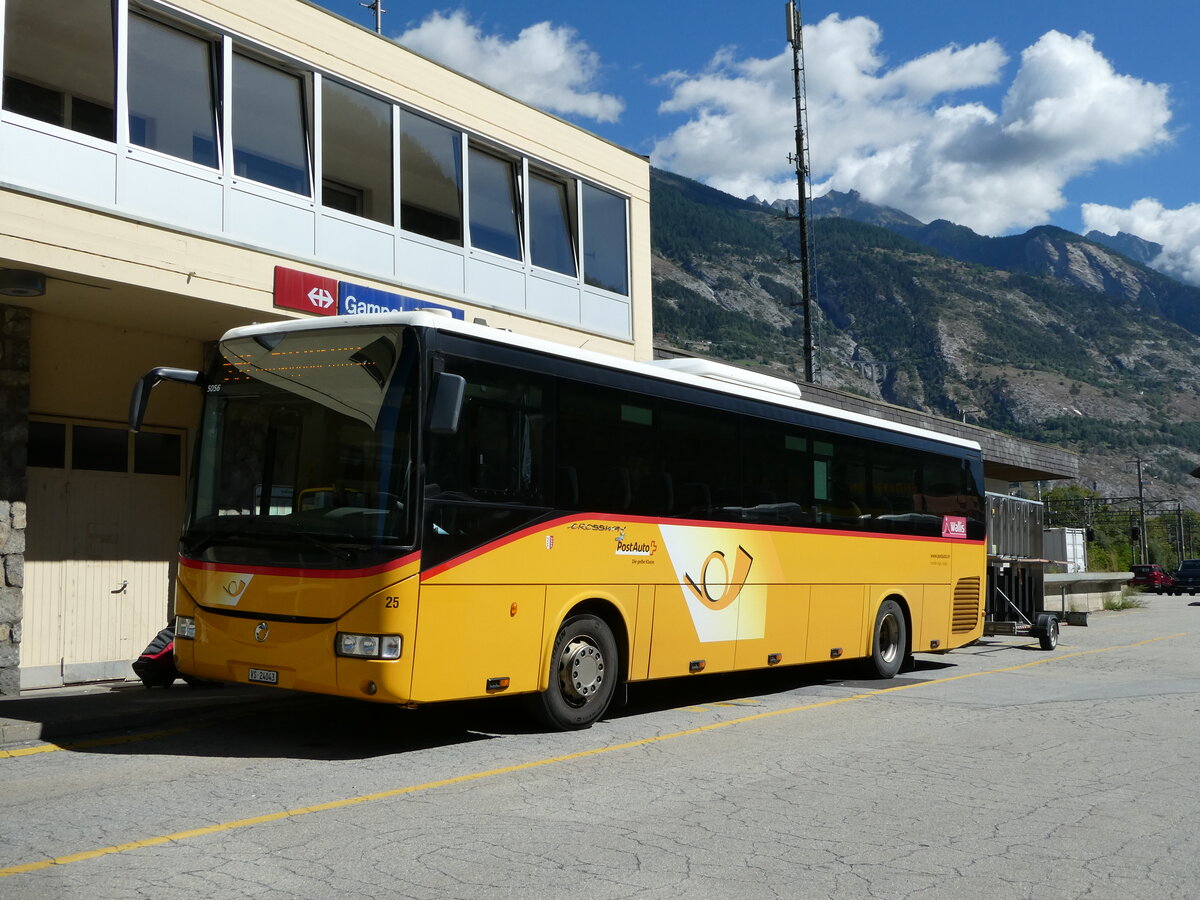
[[185, 627], [368, 646]]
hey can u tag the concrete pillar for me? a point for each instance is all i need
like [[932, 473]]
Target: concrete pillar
[[14, 436]]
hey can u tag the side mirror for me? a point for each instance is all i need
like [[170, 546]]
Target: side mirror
[[445, 402], [145, 384]]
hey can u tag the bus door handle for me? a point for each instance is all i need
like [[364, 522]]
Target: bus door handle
[[120, 588]]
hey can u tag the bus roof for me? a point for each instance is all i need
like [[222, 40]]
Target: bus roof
[[716, 377]]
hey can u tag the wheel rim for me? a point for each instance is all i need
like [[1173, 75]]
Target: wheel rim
[[889, 638], [580, 671]]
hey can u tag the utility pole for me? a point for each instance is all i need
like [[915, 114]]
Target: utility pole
[[1178, 533], [1141, 515], [376, 6], [804, 192]]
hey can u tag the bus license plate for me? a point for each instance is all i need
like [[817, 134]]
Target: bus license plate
[[263, 676]]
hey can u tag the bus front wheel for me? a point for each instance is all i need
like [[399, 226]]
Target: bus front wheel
[[889, 640], [583, 674]]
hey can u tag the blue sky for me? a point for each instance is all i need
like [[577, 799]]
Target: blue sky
[[998, 116]]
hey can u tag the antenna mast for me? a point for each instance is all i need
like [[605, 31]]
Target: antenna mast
[[376, 6], [804, 190]]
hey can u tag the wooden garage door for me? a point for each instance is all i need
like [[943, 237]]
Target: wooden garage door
[[104, 512]]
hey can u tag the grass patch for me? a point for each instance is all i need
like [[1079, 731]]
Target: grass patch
[[1129, 599]]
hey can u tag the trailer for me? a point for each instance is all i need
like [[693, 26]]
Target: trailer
[[1016, 598]]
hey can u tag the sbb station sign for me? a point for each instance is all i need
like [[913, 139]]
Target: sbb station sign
[[323, 296]]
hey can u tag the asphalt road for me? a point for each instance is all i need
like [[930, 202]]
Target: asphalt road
[[992, 772]]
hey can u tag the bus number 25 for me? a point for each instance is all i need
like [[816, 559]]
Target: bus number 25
[[391, 603]]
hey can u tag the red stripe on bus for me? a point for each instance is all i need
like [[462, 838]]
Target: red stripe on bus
[[301, 573], [695, 523]]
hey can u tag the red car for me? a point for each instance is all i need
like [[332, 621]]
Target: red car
[[1152, 577]]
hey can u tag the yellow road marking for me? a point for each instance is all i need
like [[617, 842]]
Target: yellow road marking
[[534, 764], [101, 742]]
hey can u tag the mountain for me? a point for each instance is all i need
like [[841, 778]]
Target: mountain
[[1047, 335], [1086, 261], [1126, 244], [848, 205]]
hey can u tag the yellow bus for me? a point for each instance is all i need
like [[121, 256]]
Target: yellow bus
[[406, 508]]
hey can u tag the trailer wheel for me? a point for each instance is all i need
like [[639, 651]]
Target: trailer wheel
[[889, 640], [583, 675], [1048, 632]]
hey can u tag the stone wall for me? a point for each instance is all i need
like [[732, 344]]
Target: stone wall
[[14, 434]]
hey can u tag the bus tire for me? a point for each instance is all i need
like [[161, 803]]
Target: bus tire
[[583, 675], [889, 640]]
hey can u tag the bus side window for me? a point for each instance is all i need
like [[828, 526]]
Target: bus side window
[[498, 452], [702, 448], [606, 453]]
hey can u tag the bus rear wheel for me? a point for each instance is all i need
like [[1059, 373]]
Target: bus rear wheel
[[889, 640], [583, 674]]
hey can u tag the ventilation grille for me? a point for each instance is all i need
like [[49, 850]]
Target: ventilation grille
[[966, 605]]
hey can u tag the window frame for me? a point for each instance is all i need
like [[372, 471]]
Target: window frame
[[478, 151], [68, 446], [570, 218], [385, 205], [590, 235], [67, 100], [216, 79], [304, 78], [460, 138]]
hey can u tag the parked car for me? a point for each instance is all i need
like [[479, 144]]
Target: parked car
[[1187, 577], [1152, 577]]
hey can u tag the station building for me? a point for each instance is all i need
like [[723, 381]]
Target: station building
[[172, 170]]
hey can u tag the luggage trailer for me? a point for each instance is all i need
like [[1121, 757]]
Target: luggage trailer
[[1016, 597]]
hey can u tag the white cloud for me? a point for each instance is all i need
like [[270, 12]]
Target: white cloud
[[547, 66], [902, 137], [1178, 230]]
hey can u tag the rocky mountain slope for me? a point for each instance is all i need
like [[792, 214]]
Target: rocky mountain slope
[[1047, 335]]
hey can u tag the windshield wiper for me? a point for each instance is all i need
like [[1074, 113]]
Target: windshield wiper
[[341, 553], [199, 543]]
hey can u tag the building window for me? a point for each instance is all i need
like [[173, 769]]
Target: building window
[[356, 152], [430, 179], [270, 133], [99, 449], [605, 241], [47, 447], [551, 237], [59, 65], [495, 223], [171, 92]]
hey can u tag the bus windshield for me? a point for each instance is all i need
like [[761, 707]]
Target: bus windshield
[[306, 449]]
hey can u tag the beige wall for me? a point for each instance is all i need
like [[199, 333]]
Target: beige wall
[[85, 370]]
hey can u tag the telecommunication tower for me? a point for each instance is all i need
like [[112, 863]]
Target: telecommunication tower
[[800, 159]]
